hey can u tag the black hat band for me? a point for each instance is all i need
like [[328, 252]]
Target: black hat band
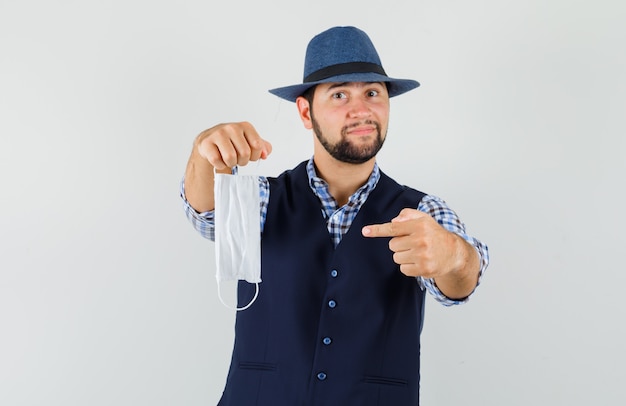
[[344, 68]]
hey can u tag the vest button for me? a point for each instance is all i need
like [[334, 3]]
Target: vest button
[[327, 340], [332, 304], [321, 376], [334, 273]]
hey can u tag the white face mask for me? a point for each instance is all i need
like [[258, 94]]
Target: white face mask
[[237, 231]]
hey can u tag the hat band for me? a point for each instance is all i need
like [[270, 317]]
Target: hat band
[[343, 68]]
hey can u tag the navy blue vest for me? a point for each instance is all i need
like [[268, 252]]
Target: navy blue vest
[[331, 326]]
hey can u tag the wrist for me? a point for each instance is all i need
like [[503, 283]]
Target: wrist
[[464, 256]]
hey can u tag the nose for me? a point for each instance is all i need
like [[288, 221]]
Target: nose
[[359, 108]]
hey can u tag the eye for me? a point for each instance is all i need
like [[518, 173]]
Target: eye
[[339, 95], [373, 93]]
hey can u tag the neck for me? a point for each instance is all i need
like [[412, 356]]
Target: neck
[[343, 178]]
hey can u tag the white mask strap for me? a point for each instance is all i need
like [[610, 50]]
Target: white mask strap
[[219, 294]]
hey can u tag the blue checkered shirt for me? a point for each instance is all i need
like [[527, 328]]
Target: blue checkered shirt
[[339, 219]]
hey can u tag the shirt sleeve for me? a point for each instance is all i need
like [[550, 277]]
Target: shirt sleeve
[[448, 219], [204, 222]]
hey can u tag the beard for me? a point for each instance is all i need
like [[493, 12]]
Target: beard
[[345, 150]]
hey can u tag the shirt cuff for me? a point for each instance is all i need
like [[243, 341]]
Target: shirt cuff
[[430, 285], [203, 222]]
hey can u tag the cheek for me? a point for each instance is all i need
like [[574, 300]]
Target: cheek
[[326, 120], [383, 115], [382, 109]]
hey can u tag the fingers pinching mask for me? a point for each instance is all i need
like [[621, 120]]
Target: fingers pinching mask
[[237, 231]]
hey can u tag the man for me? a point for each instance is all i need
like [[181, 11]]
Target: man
[[347, 253]]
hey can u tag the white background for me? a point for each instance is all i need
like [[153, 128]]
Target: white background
[[108, 296]]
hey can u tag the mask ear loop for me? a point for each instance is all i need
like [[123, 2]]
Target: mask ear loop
[[219, 294], [219, 291]]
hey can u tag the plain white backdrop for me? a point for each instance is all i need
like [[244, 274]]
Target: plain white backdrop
[[107, 294]]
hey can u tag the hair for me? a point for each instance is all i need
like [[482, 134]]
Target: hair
[[308, 94]]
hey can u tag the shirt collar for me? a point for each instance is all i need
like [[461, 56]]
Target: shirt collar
[[320, 187]]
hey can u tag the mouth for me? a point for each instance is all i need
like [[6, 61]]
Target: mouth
[[360, 129]]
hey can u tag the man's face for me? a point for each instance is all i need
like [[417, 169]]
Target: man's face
[[350, 119]]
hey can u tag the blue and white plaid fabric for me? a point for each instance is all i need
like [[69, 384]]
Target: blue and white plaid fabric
[[339, 219]]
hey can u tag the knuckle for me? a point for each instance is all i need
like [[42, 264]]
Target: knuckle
[[212, 155], [245, 150], [255, 143], [391, 228], [229, 127], [229, 158]]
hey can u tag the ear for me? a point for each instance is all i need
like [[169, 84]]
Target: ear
[[304, 110]]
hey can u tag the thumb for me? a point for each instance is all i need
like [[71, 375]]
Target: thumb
[[267, 149]]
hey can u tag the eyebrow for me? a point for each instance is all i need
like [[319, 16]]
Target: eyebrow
[[342, 84]]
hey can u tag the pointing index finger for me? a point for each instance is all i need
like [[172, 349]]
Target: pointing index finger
[[380, 230]]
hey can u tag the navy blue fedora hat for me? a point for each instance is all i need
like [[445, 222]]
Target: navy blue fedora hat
[[343, 54]]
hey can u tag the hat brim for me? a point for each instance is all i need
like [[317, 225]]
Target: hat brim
[[395, 87]]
